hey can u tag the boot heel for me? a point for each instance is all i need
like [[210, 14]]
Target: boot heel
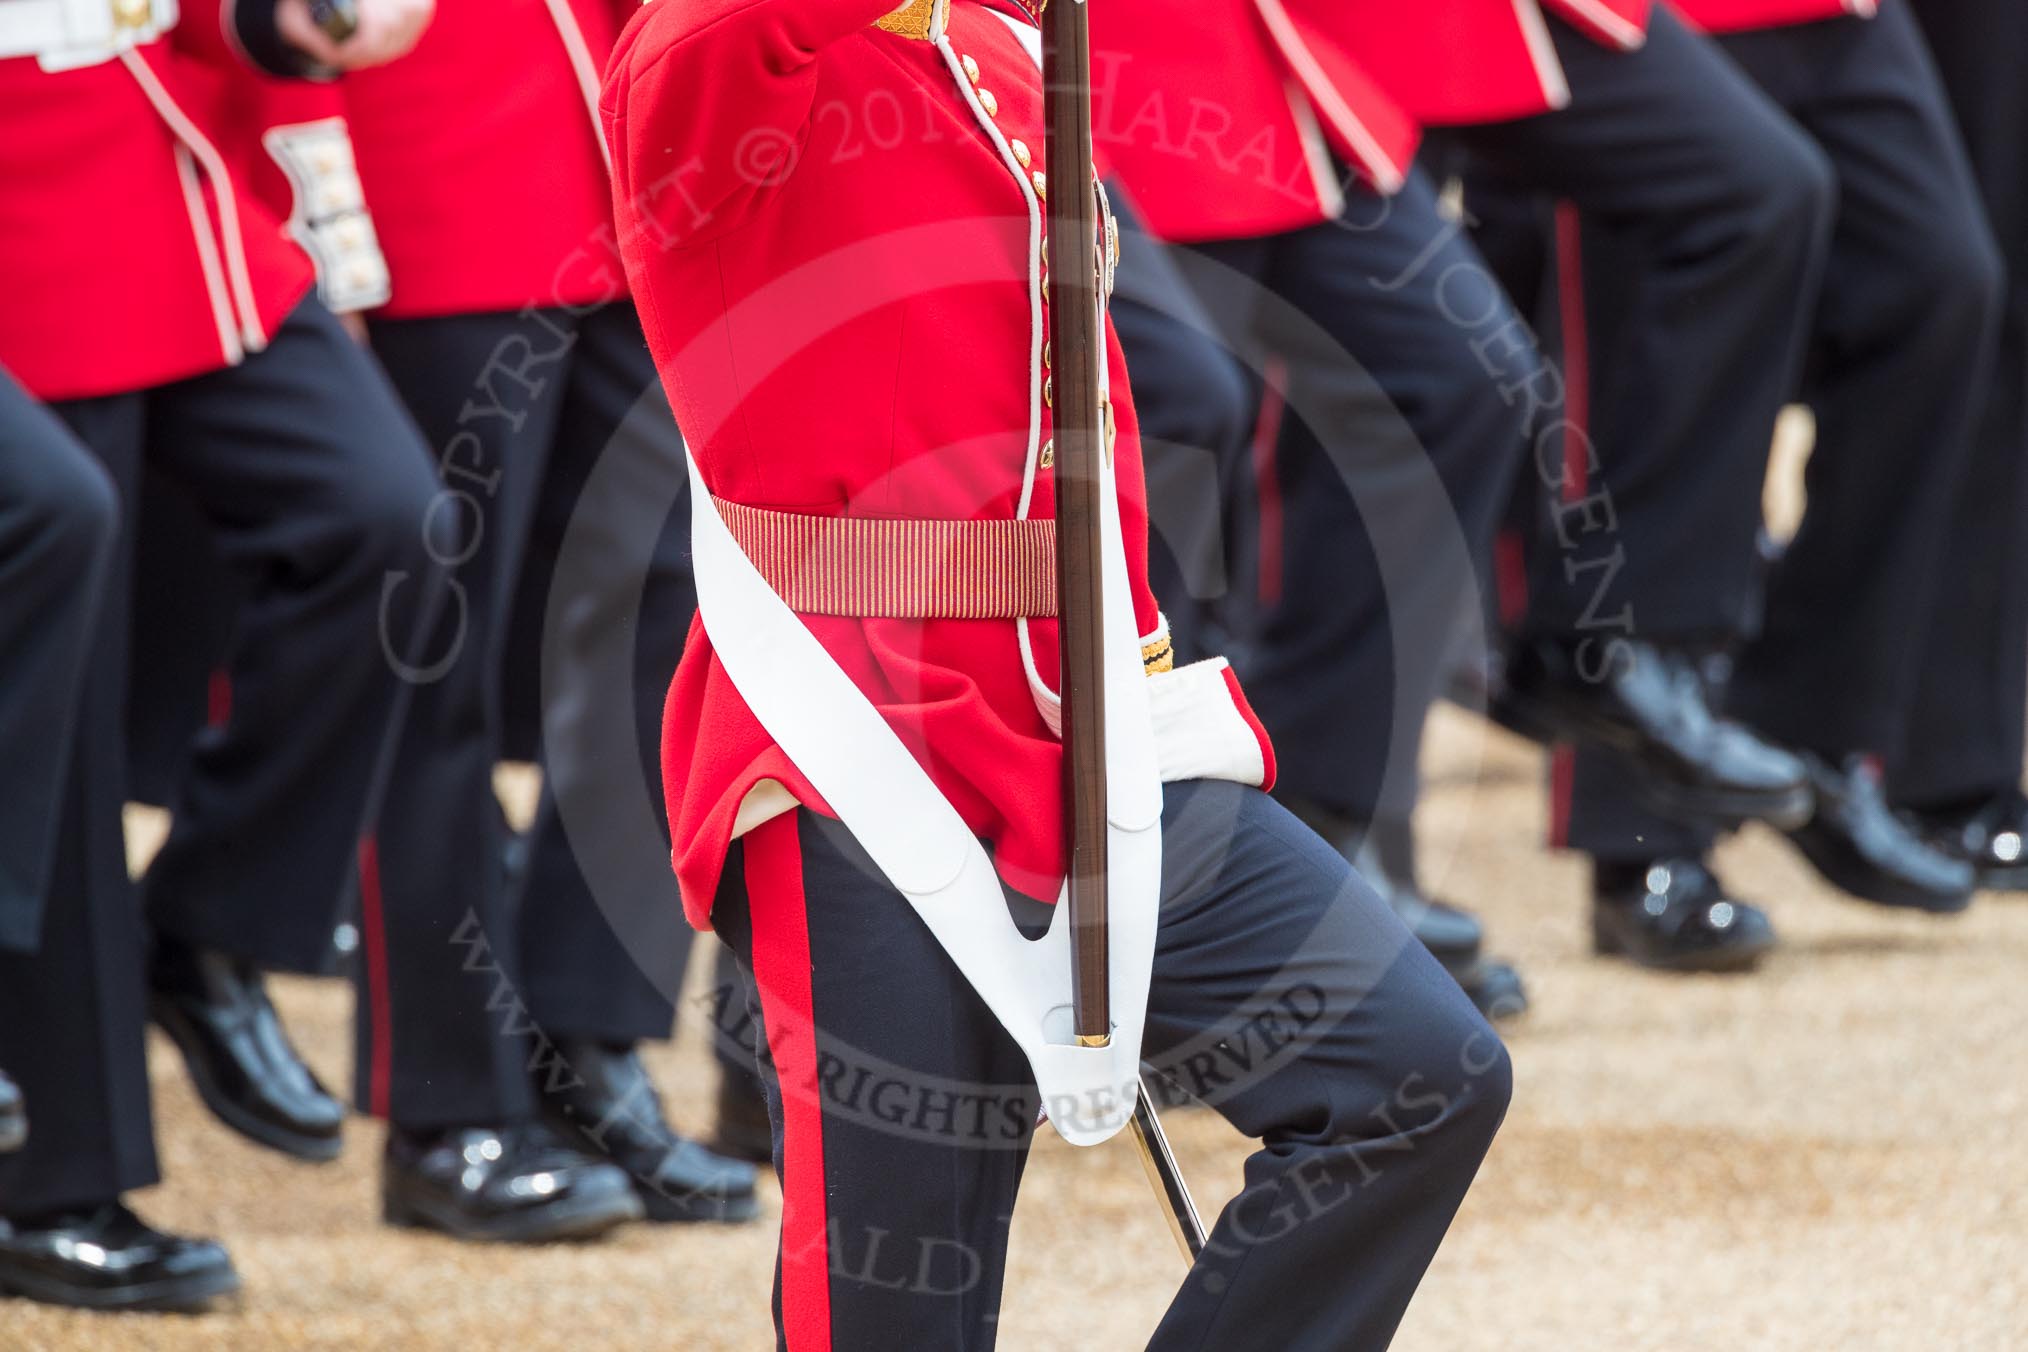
[[397, 1212]]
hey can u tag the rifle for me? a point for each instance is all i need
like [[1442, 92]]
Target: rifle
[[1077, 347]]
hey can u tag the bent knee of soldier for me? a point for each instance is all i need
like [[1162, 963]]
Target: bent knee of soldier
[[1439, 1073], [1789, 188], [75, 512], [1957, 274], [393, 508]]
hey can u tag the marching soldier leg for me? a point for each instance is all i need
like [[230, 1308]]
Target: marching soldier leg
[[602, 932], [742, 1130], [58, 520], [902, 1111], [1410, 384], [1904, 343], [1398, 448], [444, 1029], [1655, 899], [602, 926], [1284, 993], [1287, 996], [186, 610], [315, 486], [1679, 354], [1671, 150], [1960, 764], [71, 1014], [58, 526]]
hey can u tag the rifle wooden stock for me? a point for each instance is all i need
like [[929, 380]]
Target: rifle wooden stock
[[1077, 348]]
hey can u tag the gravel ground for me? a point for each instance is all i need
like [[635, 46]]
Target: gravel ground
[[1830, 1154]]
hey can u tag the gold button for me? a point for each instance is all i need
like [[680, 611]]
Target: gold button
[[1049, 453], [1049, 390], [971, 68], [132, 13], [1045, 356], [989, 103], [1041, 182], [1021, 155]]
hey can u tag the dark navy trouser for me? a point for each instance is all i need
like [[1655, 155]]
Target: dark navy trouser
[[315, 481], [1863, 613], [58, 518], [567, 474], [1285, 993]]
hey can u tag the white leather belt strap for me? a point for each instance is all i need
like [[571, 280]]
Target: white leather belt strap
[[840, 742], [67, 34]]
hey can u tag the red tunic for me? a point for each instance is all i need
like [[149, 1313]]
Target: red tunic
[[1451, 62], [1222, 116], [481, 157], [288, 143], [832, 260], [130, 254], [1736, 16]]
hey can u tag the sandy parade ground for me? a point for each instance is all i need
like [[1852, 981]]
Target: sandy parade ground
[[1830, 1154]]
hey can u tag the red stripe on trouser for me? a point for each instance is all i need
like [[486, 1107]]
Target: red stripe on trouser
[[380, 1002], [1576, 351], [1576, 451], [781, 971], [218, 698], [1510, 578], [1267, 484]]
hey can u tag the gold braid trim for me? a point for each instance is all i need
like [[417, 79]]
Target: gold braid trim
[[917, 21]]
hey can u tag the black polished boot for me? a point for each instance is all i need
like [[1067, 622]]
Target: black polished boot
[[1673, 915], [517, 1184], [107, 1258], [215, 1009], [1863, 846], [1383, 851], [13, 1116], [609, 1106], [1990, 833], [1649, 707]]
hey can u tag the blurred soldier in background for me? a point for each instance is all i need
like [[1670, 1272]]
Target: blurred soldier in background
[[509, 334], [1959, 768], [58, 522], [285, 143], [1899, 356], [161, 313], [1412, 386]]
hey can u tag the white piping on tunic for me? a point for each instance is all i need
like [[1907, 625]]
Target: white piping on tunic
[[1316, 154], [1387, 175], [1047, 702], [213, 164], [207, 258], [1542, 52], [583, 67], [1626, 36]]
